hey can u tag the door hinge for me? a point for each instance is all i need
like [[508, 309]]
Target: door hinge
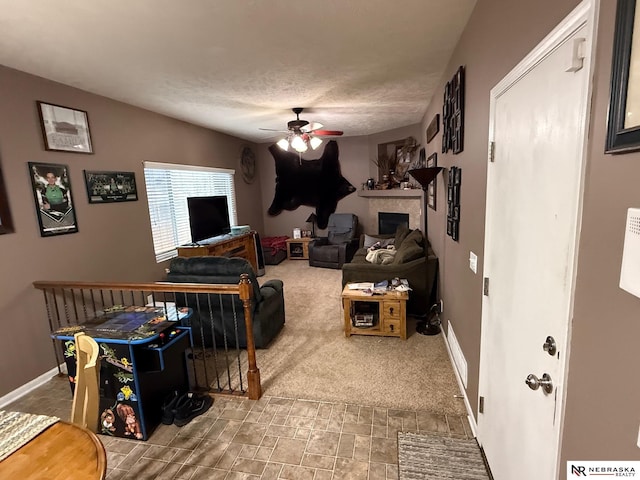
[[481, 405], [485, 288], [492, 151]]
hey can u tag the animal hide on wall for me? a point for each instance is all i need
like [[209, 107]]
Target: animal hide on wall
[[315, 183]]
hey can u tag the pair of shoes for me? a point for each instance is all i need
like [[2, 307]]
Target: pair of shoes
[[189, 406], [169, 407]]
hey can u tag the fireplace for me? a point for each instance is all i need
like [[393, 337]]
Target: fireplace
[[388, 222], [407, 202]]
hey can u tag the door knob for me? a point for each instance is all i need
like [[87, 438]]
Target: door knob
[[549, 346], [535, 383]]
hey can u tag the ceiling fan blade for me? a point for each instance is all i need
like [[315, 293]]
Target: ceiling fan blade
[[328, 132], [273, 130], [312, 127]]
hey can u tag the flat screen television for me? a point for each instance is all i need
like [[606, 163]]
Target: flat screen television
[[208, 217]]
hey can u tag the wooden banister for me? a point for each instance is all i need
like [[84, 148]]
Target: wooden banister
[[141, 287], [253, 374], [73, 303]]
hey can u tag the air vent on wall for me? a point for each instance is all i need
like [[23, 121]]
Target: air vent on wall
[[630, 271]]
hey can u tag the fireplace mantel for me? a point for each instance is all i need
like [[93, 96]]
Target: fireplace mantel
[[393, 193]]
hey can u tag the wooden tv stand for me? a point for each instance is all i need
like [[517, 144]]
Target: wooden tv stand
[[243, 246]]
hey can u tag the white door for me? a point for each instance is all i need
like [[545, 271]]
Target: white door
[[534, 190]]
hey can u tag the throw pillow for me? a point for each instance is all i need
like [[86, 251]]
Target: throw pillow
[[401, 234], [410, 251], [415, 235], [388, 242], [369, 241], [384, 242]]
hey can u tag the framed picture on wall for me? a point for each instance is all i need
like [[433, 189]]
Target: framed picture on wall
[[432, 161], [64, 129], [623, 127], [53, 200], [433, 128], [6, 224], [111, 187]]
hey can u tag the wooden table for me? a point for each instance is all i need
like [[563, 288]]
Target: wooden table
[[388, 311], [298, 248], [62, 452]]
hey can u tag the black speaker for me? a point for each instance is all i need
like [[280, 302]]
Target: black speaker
[[259, 254]]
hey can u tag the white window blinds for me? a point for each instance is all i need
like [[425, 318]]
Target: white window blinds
[[168, 186]]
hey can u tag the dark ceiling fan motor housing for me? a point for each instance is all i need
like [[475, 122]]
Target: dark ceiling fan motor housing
[[297, 124]]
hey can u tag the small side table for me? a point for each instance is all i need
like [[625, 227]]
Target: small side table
[[298, 248], [387, 312]]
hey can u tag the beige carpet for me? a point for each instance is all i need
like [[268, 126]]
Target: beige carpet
[[312, 359]]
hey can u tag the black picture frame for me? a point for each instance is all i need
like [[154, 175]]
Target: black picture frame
[[433, 128], [6, 222], [453, 202], [110, 187], [453, 113], [620, 139], [52, 194], [64, 129], [432, 161]]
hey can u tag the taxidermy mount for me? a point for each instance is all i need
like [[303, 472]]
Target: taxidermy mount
[[315, 183]]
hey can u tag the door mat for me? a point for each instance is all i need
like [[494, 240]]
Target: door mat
[[434, 457]]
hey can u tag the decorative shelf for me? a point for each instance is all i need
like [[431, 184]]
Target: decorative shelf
[[395, 192]]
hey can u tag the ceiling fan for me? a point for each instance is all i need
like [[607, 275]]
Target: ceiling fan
[[302, 134]]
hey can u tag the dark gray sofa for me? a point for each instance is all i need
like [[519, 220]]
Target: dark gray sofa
[[414, 260], [268, 302]]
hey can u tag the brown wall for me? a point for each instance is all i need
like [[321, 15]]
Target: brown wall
[[114, 240], [603, 399], [603, 396]]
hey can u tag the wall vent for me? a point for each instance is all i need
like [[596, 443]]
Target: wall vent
[[630, 271], [458, 356]]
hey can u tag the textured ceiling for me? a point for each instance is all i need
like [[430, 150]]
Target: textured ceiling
[[361, 66]]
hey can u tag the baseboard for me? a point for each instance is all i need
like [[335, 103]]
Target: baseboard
[[32, 385], [470, 417]]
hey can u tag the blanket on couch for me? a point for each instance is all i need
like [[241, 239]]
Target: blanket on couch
[[381, 256]]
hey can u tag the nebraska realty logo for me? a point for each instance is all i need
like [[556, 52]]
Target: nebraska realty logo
[[577, 469]]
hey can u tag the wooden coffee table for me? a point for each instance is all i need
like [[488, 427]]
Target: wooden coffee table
[[387, 312]]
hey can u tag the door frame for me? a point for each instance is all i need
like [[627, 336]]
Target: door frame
[[586, 13]]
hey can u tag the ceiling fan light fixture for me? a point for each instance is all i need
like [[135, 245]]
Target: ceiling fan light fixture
[[283, 144], [315, 142], [298, 144], [301, 134]]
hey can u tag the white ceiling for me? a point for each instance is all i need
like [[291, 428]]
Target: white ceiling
[[361, 66]]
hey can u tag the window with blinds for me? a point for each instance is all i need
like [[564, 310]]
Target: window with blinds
[[168, 187]]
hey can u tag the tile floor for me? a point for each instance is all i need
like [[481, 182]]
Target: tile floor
[[271, 438]]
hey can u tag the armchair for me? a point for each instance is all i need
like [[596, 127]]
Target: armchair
[[340, 244], [213, 320]]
